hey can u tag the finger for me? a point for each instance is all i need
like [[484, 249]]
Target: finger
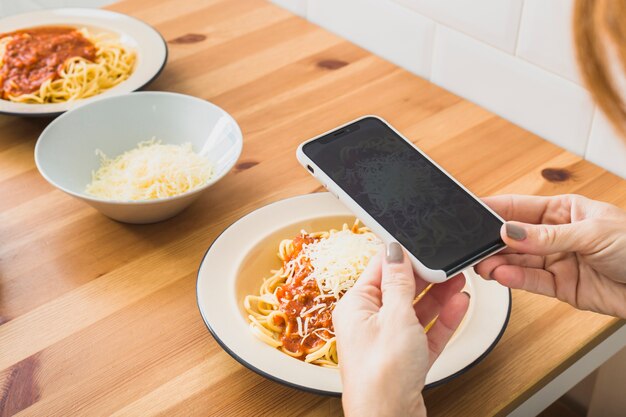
[[449, 319], [486, 267], [546, 239], [431, 304], [508, 250], [372, 274], [365, 291], [398, 282], [522, 208], [538, 281]]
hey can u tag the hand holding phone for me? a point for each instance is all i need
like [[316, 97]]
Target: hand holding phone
[[404, 196]]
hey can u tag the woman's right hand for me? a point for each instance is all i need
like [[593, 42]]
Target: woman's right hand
[[567, 246]]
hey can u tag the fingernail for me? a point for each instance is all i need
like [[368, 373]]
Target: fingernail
[[468, 294], [394, 253], [515, 232]]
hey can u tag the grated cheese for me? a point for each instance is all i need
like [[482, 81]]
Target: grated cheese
[[312, 309], [299, 320], [338, 260], [149, 171]]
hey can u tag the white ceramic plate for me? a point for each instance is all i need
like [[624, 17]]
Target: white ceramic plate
[[149, 45], [242, 255]]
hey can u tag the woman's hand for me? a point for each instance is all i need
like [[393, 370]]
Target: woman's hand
[[384, 354], [568, 247]]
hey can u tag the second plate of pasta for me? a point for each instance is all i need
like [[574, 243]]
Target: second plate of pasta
[[54, 60], [267, 287]]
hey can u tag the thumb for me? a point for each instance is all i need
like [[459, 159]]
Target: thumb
[[544, 239], [398, 282]]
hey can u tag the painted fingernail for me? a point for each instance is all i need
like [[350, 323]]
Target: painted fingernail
[[515, 232], [466, 293], [394, 253]]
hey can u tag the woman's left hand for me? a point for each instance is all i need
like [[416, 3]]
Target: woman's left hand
[[384, 353]]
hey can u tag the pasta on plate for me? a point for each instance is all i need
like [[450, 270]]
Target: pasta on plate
[[293, 309], [54, 64]]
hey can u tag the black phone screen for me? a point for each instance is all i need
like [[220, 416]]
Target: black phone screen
[[442, 225]]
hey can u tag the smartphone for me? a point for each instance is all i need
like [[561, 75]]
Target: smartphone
[[402, 195]]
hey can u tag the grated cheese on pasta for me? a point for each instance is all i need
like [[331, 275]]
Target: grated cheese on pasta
[[338, 260]]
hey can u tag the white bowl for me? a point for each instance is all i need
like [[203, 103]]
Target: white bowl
[[65, 153]]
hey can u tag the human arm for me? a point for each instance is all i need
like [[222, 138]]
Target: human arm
[[384, 353], [567, 246]]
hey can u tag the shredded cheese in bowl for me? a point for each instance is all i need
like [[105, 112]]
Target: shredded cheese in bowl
[[150, 171]]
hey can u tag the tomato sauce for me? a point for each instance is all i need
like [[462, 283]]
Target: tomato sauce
[[298, 296], [36, 55]]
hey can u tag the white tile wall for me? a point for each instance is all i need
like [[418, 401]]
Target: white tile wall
[[606, 148], [382, 26], [546, 39], [493, 21], [546, 104], [514, 57]]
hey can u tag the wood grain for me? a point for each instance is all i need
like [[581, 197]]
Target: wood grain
[[98, 317]]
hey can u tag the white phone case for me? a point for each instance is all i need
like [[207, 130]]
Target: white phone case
[[430, 275]]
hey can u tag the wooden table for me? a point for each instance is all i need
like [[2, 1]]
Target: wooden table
[[100, 317]]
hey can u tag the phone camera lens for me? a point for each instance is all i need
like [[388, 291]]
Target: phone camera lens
[[310, 169]]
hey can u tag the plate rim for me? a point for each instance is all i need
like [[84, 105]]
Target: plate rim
[[317, 391], [142, 85]]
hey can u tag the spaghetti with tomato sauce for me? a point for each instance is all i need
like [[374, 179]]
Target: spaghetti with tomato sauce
[[300, 296], [36, 55], [50, 64], [293, 311]]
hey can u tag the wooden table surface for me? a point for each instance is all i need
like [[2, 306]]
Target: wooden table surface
[[99, 317]]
